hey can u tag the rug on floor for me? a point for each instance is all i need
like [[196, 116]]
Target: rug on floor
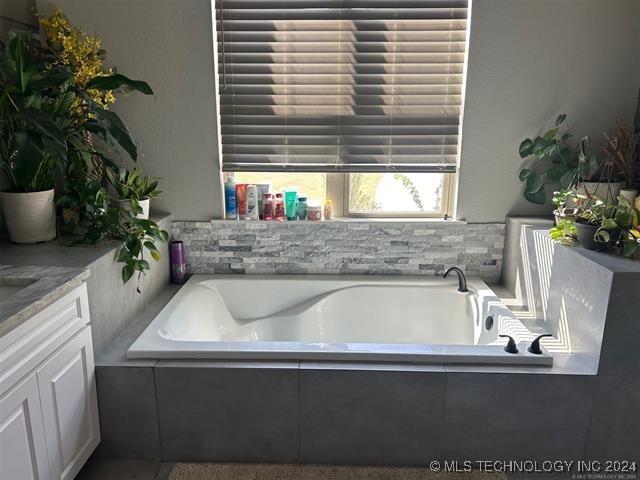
[[233, 471]]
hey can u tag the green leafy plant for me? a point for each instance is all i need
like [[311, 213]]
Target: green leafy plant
[[553, 159], [133, 184], [139, 236], [32, 145], [44, 131], [619, 228], [564, 229]]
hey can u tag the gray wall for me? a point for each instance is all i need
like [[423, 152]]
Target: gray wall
[[168, 43], [528, 61], [16, 15]]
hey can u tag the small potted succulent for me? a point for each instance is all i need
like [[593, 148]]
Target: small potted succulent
[[134, 190]]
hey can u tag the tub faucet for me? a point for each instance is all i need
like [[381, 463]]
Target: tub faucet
[[462, 280]]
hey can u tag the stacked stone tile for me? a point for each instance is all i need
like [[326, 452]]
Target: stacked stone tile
[[342, 247]]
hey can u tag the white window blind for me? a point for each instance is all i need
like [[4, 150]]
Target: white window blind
[[340, 85]]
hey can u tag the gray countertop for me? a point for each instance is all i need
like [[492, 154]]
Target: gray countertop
[[25, 290]]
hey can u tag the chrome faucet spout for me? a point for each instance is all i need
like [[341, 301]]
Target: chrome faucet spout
[[462, 280]]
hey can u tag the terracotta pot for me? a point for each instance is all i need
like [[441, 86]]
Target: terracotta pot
[[144, 204], [31, 217]]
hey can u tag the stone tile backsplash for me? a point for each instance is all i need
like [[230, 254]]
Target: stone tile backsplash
[[342, 247]]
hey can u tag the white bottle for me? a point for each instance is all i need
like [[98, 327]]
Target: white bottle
[[252, 202]]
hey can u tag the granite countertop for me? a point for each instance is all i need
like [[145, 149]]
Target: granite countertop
[[26, 290]]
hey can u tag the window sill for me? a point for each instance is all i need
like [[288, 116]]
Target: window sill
[[430, 220], [397, 220]]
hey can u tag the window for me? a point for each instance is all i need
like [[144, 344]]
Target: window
[[361, 96]]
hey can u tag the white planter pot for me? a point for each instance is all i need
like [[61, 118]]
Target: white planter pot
[[630, 195], [608, 191], [30, 217], [144, 204]]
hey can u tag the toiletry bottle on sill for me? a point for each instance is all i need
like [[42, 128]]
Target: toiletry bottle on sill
[[241, 196], [267, 207], [230, 199], [278, 208], [328, 214], [252, 203]]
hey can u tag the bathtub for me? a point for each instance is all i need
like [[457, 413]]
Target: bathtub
[[335, 318]]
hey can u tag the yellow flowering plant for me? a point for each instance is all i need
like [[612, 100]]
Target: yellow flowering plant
[[82, 54]]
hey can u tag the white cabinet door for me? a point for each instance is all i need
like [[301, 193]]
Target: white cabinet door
[[23, 452], [69, 406]]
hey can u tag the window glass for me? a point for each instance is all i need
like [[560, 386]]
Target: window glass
[[311, 185], [396, 192]]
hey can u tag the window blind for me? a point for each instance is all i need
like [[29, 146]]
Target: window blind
[[340, 85]]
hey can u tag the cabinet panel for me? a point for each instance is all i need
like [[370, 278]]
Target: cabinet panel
[[69, 406], [23, 453]]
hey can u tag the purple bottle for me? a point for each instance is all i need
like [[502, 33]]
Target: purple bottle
[[178, 262]]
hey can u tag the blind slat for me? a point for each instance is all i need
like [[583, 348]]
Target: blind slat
[[340, 85]]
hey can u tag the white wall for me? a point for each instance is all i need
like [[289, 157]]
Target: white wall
[[167, 43], [528, 61]]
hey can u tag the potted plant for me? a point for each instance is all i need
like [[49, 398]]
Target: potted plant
[[622, 149], [134, 190], [96, 138], [552, 159], [32, 146], [600, 177], [564, 229], [619, 228], [588, 219]]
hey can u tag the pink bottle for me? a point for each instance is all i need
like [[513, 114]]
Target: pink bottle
[[278, 208], [267, 212]]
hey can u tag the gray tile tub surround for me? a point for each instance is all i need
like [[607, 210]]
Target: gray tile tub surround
[[221, 411], [516, 417], [342, 247], [614, 432], [371, 416]]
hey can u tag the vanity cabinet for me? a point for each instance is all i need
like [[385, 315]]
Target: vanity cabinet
[[48, 406], [23, 452]]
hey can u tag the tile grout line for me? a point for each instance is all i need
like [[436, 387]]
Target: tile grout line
[[444, 411], [155, 398], [299, 412]]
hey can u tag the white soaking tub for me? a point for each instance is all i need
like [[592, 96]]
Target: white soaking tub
[[419, 320]]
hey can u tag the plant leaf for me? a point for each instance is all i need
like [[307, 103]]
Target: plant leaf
[[535, 182], [539, 197], [561, 118], [524, 173], [629, 247], [113, 82], [526, 148], [127, 273]]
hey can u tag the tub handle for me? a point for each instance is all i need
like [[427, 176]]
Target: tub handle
[[535, 344], [511, 344]]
